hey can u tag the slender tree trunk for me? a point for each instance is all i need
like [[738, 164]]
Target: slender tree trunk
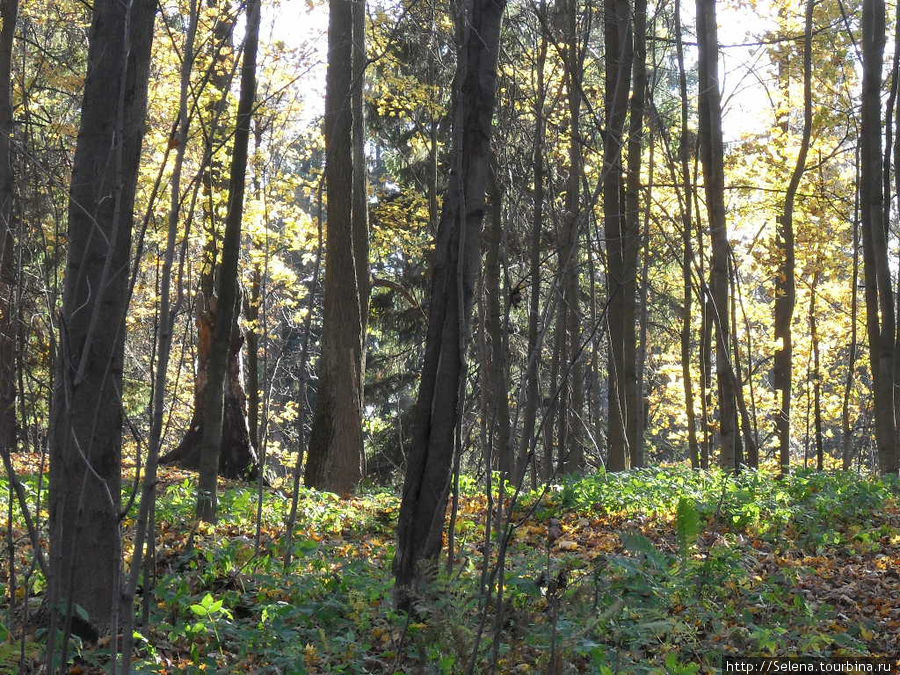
[[816, 372], [496, 376], [537, 222], [619, 239], [785, 291], [9, 10], [86, 430], [336, 459], [456, 262], [143, 529], [687, 258], [360, 207], [251, 312], [635, 385], [237, 456], [227, 287], [713, 161], [880, 318], [750, 456], [571, 398], [846, 431]]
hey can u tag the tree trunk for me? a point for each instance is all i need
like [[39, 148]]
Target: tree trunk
[[687, 252], [880, 318], [571, 397], [238, 457], [85, 446], [785, 293], [712, 159], [497, 375], [532, 390], [223, 341], [846, 430], [8, 11], [635, 391], [620, 241], [455, 268], [336, 460], [816, 372]]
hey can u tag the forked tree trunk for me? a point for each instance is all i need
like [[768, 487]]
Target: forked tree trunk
[[880, 317], [336, 458], [223, 340], [454, 272], [86, 431], [238, 456]]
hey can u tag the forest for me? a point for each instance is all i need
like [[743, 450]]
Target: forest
[[479, 336]]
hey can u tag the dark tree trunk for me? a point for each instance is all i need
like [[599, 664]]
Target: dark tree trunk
[[816, 372], [455, 269], [620, 240], [532, 390], [712, 159], [785, 293], [497, 374], [571, 397], [687, 254], [8, 11], [336, 458], [880, 316], [634, 392], [238, 457], [85, 447], [846, 430], [214, 438]]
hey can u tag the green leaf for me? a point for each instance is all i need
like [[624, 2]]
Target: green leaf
[[687, 523]]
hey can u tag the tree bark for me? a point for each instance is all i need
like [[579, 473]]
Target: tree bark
[[86, 430], [238, 457], [532, 390], [785, 286], [880, 318], [455, 269], [634, 392], [712, 159], [497, 374], [227, 288], [9, 12], [336, 458], [620, 241], [687, 254], [571, 395]]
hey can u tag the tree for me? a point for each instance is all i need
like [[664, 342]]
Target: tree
[[8, 11], [880, 311], [621, 241], [227, 288], [336, 457], [632, 205], [237, 456], [785, 284], [712, 159], [86, 432], [454, 272]]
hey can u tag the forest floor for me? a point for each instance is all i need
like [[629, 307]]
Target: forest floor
[[652, 571]]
